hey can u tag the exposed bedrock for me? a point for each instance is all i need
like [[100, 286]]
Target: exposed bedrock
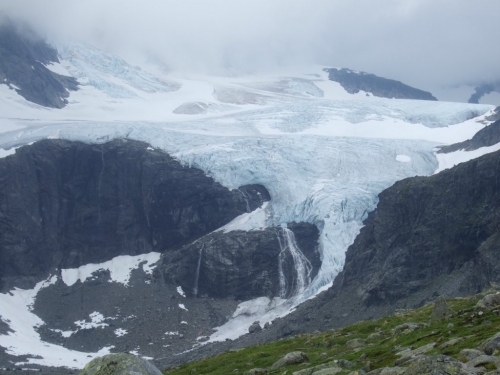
[[430, 235], [487, 136], [353, 82], [273, 262], [64, 204], [23, 66]]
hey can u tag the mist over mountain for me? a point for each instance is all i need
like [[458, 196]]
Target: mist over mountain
[[178, 180]]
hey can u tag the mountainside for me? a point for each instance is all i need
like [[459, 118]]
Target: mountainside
[[428, 236], [163, 212], [23, 67], [353, 82], [67, 204]]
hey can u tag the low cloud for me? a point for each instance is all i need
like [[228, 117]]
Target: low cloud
[[420, 42]]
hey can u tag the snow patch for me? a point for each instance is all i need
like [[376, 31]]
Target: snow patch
[[181, 292], [403, 158], [25, 340], [451, 159], [248, 221], [96, 321], [119, 267], [120, 332]]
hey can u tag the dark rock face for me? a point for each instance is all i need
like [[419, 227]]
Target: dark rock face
[[65, 204], [488, 136], [438, 233], [484, 89], [241, 264], [353, 82], [23, 55]]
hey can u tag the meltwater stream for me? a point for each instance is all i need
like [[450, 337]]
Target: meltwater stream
[[302, 266]]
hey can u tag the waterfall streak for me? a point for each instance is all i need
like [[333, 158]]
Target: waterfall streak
[[302, 265], [197, 276]]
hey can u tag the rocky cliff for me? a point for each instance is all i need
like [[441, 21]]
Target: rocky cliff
[[243, 265], [428, 236], [24, 56], [64, 204], [354, 82]]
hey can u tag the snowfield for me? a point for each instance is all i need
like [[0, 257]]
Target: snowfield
[[323, 154]]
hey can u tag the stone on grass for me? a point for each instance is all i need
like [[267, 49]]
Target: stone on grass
[[439, 364], [441, 310], [469, 354], [482, 360], [488, 302], [491, 345], [290, 359], [328, 371], [256, 371], [393, 371], [355, 343], [119, 364], [344, 363], [410, 327], [451, 342]]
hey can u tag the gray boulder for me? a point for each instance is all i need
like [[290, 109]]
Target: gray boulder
[[488, 302], [482, 360], [441, 310], [490, 345], [256, 371], [255, 327], [355, 343], [120, 364], [469, 354], [290, 359], [439, 365]]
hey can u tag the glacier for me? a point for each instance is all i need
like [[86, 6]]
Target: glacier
[[323, 154]]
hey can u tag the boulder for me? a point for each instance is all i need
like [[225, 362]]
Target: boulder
[[328, 371], [119, 364], [255, 327], [482, 360], [290, 359], [355, 343], [490, 345], [437, 365], [405, 327], [256, 371], [393, 371], [488, 302], [469, 354], [441, 310]]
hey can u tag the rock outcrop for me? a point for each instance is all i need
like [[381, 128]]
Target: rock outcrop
[[242, 264], [65, 204], [23, 66], [354, 82], [437, 234], [488, 136], [119, 364]]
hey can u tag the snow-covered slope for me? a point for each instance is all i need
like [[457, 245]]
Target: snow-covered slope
[[323, 154]]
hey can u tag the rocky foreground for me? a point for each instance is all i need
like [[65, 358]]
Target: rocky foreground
[[459, 336]]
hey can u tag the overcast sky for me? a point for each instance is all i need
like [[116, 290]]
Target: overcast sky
[[420, 42]]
